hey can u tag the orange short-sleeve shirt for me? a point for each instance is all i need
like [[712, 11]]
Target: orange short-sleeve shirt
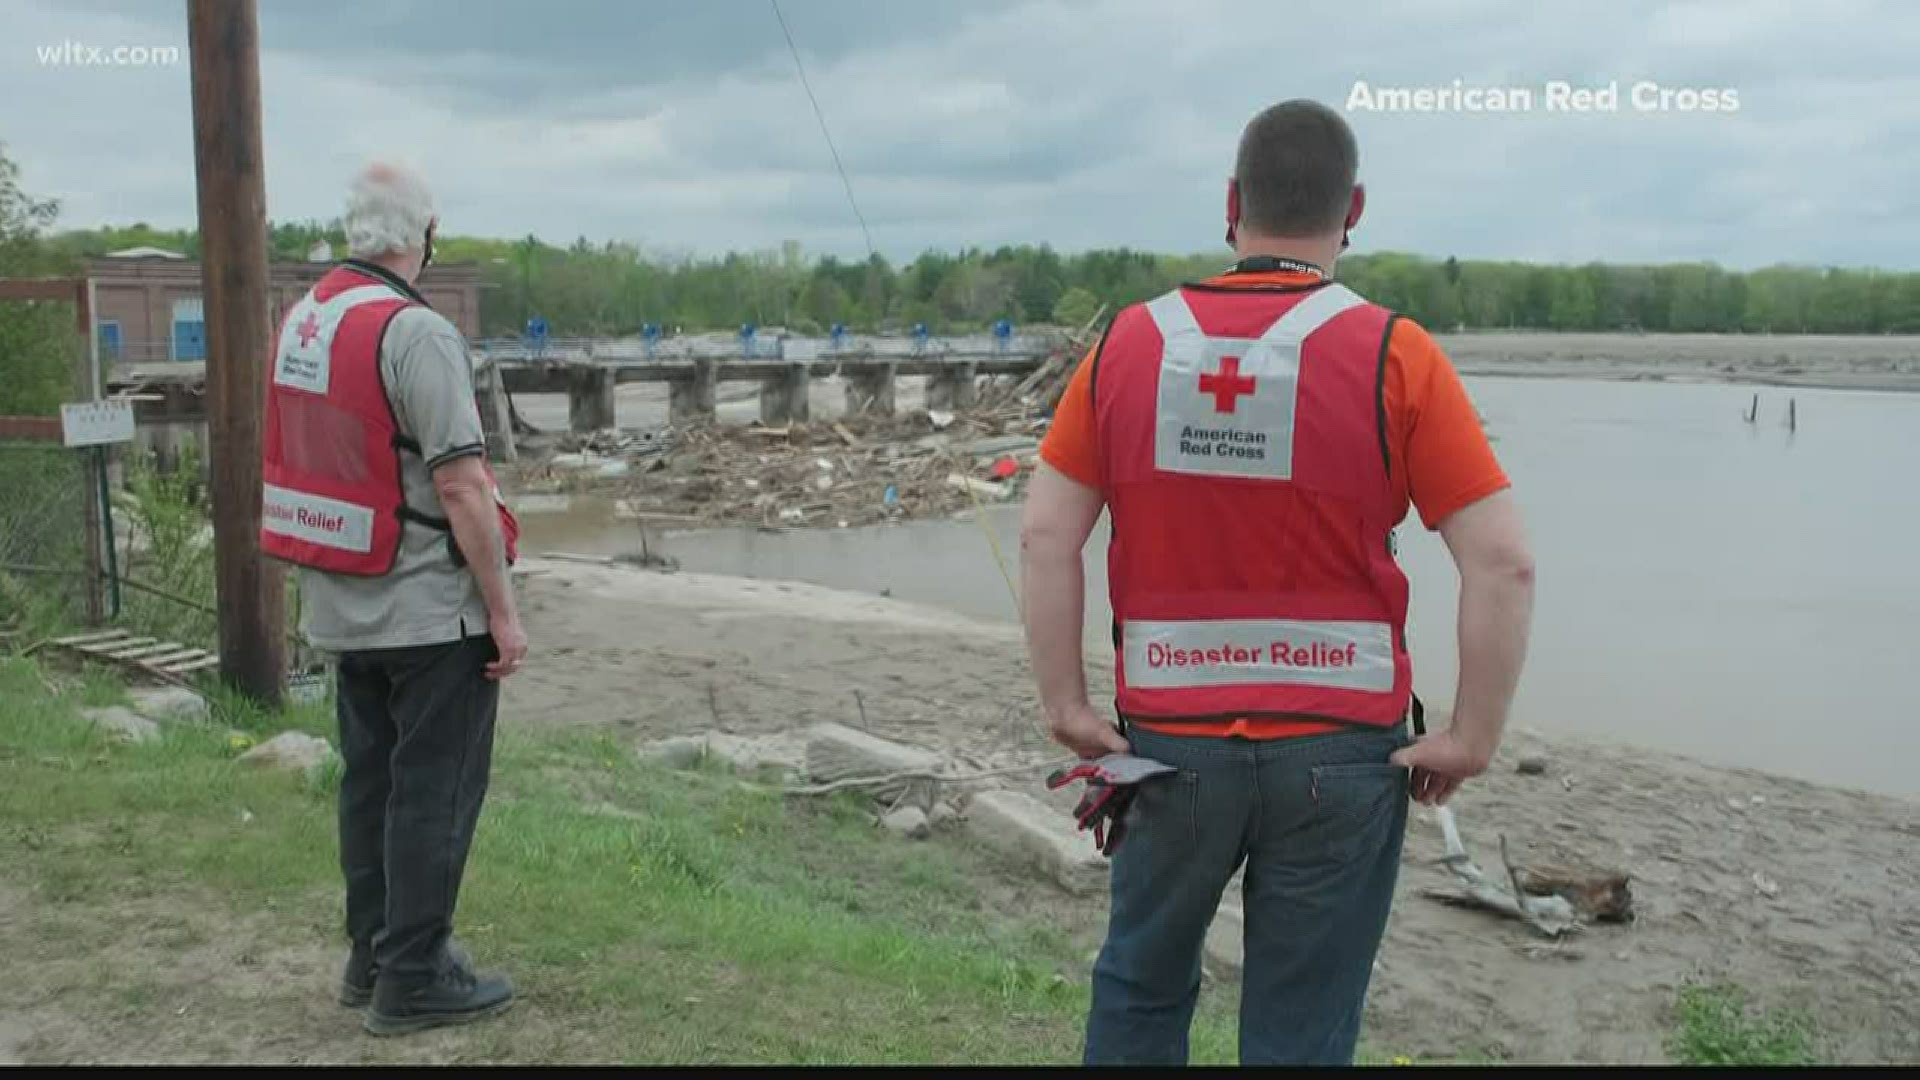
[[1440, 456]]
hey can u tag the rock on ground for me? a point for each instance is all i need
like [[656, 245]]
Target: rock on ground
[[837, 752], [679, 752], [289, 750], [909, 821], [1040, 835], [168, 703], [123, 724], [743, 754]]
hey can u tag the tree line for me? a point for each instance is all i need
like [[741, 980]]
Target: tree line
[[586, 288], [616, 288]]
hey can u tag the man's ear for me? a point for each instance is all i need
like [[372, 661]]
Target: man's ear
[[1233, 210], [1357, 205]]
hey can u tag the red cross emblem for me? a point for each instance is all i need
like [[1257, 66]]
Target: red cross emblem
[[310, 329], [1226, 385]]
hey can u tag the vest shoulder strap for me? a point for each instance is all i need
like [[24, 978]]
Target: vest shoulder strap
[[1173, 316], [1321, 307]]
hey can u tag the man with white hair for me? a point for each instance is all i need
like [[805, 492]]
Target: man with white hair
[[377, 486]]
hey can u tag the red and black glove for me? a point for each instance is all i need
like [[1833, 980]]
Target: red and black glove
[[1112, 782]]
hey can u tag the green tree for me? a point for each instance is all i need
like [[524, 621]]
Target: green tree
[[38, 347], [1573, 306], [1076, 307]]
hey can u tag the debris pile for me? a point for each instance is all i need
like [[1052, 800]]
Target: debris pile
[[857, 471]]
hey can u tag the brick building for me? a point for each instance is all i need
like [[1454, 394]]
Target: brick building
[[147, 306]]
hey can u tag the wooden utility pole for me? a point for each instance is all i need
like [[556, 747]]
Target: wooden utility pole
[[223, 38]]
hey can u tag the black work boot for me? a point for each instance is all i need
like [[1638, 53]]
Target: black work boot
[[356, 982], [456, 995]]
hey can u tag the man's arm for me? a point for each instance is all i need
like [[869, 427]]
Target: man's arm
[[1059, 516], [466, 495], [430, 382], [1489, 545], [1460, 490], [1490, 548]]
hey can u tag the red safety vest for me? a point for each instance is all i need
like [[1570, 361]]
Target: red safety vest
[[333, 497], [1243, 441]]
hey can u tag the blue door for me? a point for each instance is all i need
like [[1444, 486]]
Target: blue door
[[110, 339], [189, 339]]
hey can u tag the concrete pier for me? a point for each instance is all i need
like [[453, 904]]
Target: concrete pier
[[787, 397], [954, 387], [590, 398], [691, 394], [870, 389], [496, 414]]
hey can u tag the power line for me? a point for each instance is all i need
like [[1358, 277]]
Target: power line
[[822, 117]]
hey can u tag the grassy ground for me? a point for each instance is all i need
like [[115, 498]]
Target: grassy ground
[[1716, 1024], [158, 903], [647, 915]]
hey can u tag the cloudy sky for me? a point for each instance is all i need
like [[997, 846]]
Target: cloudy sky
[[681, 124]]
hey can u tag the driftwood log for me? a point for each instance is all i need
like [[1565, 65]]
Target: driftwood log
[[1600, 897], [1549, 916]]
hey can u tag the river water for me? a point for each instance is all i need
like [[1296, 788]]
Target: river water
[[1741, 593]]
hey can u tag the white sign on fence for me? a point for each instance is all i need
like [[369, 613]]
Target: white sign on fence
[[96, 423]]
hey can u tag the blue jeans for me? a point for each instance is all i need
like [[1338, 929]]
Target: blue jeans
[[1318, 821]]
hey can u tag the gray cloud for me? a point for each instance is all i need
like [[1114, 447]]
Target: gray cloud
[[680, 124]]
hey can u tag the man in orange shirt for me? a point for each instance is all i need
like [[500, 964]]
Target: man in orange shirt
[[1256, 438]]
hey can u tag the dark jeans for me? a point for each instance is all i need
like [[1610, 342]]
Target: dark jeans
[[1318, 821], [416, 736]]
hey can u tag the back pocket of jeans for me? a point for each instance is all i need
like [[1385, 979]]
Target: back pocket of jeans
[[1165, 813], [1351, 803]]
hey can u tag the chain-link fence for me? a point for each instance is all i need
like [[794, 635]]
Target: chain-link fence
[[47, 567]]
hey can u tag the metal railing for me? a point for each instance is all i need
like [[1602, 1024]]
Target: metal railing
[[793, 348], [691, 347]]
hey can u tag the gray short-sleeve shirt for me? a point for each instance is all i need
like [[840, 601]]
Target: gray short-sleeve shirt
[[426, 599]]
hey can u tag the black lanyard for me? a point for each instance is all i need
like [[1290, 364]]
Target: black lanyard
[[1271, 264]]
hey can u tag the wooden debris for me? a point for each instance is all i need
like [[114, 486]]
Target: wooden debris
[[1550, 916], [163, 661], [988, 488], [1598, 897]]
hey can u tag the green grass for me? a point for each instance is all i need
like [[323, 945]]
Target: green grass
[[1717, 1024], [652, 915]]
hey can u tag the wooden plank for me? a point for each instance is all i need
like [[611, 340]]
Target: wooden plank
[[46, 429], [80, 640], [175, 657], [192, 665], [118, 650], [71, 289], [146, 653]]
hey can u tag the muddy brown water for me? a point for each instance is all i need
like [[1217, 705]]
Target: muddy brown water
[[1738, 592]]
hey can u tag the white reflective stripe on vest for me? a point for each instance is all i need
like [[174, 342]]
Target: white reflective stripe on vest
[[304, 357], [317, 519], [1225, 406], [1172, 655], [1316, 311]]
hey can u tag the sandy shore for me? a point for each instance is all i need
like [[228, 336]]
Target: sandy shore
[[1805, 895], [1885, 362]]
